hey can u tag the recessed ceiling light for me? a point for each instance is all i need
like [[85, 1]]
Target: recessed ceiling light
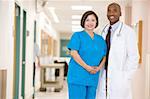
[[81, 7], [76, 16], [75, 22]]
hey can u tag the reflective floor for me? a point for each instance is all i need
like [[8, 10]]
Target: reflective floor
[[63, 94], [137, 83]]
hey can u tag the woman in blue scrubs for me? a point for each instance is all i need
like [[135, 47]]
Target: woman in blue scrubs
[[88, 51]]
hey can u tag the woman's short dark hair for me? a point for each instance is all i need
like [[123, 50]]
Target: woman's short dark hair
[[85, 15]]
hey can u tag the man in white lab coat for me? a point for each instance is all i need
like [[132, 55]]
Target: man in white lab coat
[[122, 57]]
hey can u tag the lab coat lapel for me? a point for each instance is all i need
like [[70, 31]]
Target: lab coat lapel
[[105, 31], [117, 32]]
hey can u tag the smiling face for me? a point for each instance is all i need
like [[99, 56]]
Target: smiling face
[[113, 13], [90, 22]]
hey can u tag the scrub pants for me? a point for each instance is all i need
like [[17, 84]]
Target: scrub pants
[[81, 92]]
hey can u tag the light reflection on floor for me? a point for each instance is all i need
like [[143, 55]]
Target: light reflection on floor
[[63, 94]]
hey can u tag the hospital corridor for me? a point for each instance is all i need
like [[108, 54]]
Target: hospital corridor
[[34, 38]]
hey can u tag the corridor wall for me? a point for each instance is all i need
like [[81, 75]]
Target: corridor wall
[[140, 12], [6, 42]]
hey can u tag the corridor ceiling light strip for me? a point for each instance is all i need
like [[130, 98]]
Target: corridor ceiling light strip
[[52, 10], [75, 22], [81, 7], [76, 16]]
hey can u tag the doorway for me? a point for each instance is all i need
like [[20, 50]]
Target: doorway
[[16, 70]]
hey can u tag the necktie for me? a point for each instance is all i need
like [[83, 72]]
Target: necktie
[[108, 48], [108, 45]]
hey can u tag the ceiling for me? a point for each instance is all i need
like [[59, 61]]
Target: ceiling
[[64, 12]]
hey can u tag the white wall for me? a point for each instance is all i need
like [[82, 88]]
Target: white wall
[[6, 42], [148, 59], [44, 23], [140, 12], [149, 28]]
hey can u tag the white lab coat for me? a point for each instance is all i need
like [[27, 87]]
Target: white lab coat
[[122, 62]]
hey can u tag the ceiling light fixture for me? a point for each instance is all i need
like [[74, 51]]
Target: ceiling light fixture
[[75, 22], [52, 10], [81, 7], [76, 16]]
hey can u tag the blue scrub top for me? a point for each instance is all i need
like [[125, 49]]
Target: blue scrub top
[[91, 51]]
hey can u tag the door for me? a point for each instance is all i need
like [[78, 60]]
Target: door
[[16, 53], [23, 55]]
